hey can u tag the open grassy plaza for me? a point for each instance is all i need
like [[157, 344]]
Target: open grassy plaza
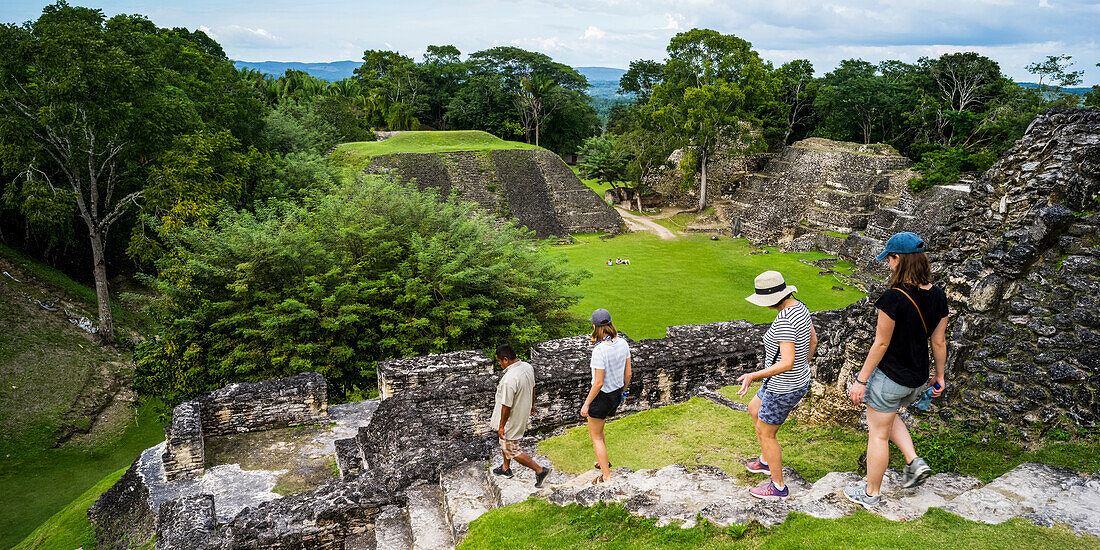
[[690, 280]]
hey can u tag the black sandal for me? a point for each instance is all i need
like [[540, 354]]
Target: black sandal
[[596, 466]]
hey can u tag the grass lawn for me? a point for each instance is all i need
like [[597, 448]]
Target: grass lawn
[[690, 280], [678, 222], [431, 142], [539, 524], [598, 187], [700, 431], [40, 485], [70, 527]]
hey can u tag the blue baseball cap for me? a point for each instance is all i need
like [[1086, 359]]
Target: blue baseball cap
[[601, 318], [905, 242]]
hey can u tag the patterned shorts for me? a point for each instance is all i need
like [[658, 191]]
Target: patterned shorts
[[775, 407], [510, 448]]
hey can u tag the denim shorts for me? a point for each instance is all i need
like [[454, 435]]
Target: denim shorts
[[775, 407], [886, 396]]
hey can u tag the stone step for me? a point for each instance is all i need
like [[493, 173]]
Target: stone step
[[511, 490], [392, 530], [675, 494], [467, 495], [430, 526], [1045, 494]]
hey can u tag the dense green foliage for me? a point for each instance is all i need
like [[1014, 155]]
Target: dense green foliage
[[365, 271], [951, 114]]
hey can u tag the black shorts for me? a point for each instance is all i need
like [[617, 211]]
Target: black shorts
[[604, 404]]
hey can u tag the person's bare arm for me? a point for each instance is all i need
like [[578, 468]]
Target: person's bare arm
[[592, 392], [784, 364], [505, 412], [939, 354], [884, 331], [813, 344], [626, 373]]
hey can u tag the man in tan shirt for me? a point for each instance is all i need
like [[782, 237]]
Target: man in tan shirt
[[515, 402]]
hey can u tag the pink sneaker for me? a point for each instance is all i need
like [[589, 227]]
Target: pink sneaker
[[768, 491], [758, 467]]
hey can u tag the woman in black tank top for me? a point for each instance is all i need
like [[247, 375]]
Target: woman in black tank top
[[895, 373]]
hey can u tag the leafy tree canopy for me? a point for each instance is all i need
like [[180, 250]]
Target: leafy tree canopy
[[368, 271]]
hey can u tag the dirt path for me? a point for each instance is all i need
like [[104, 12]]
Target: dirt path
[[635, 222]]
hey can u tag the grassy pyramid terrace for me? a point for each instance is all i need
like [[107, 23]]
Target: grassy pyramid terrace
[[429, 142]]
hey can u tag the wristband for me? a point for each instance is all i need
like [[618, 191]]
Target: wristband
[[858, 381]]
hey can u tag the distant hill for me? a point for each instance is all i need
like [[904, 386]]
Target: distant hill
[[331, 71], [604, 80], [1078, 91], [601, 73]]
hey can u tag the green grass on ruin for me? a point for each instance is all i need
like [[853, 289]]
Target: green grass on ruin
[[690, 280], [537, 524], [699, 432], [427, 142], [70, 528], [43, 496]]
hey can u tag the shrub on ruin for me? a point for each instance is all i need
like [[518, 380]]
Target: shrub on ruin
[[370, 270]]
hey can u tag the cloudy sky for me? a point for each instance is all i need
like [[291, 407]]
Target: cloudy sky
[[614, 32]]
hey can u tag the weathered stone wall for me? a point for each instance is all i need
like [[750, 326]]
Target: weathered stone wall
[[186, 522], [534, 187], [122, 516], [185, 451], [397, 375], [296, 400], [1019, 257], [321, 519]]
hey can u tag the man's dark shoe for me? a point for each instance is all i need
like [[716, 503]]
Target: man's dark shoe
[[539, 478], [500, 471]]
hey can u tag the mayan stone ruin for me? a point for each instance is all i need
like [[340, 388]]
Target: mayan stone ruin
[[1018, 251], [535, 187]]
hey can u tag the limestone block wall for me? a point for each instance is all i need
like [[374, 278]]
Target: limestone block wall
[[186, 522], [297, 400], [397, 375], [818, 185], [122, 515], [184, 453], [534, 187], [1018, 254]]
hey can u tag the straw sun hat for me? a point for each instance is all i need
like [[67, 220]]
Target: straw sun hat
[[770, 289]]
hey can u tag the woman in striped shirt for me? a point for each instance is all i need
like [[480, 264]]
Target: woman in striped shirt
[[789, 344]]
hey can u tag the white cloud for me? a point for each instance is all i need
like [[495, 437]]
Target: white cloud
[[1044, 3], [593, 32], [672, 21], [541, 44], [252, 33]]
